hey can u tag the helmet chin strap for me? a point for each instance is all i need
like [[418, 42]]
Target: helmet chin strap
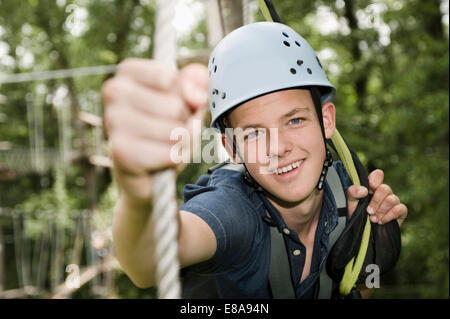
[[315, 94]]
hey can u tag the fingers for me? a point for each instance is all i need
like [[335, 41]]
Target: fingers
[[386, 206], [193, 81], [398, 212], [144, 143], [142, 71], [195, 96], [379, 196], [135, 156], [375, 180], [124, 93], [154, 88], [142, 126], [132, 159], [388, 203], [354, 194]]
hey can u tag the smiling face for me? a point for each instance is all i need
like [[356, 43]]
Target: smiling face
[[287, 120]]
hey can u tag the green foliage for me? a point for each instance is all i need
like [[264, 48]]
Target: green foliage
[[51, 205], [198, 38]]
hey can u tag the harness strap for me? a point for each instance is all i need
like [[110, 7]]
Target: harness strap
[[333, 180], [325, 282], [280, 270]]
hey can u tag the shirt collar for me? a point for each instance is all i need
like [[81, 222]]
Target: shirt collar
[[329, 213]]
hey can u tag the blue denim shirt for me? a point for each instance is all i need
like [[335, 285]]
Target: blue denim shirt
[[240, 266]]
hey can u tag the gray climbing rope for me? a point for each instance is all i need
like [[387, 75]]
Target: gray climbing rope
[[165, 210]]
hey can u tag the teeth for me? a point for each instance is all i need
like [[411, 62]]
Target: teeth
[[287, 168]]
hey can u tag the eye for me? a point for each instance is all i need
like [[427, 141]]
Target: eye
[[296, 120], [254, 133]]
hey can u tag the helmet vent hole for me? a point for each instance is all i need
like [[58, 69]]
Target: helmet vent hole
[[285, 34], [215, 92], [293, 71], [309, 70], [299, 62], [213, 105], [215, 68], [223, 95], [286, 43], [297, 43], [213, 60]]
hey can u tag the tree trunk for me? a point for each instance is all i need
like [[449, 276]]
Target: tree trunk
[[361, 79], [215, 30], [223, 16], [433, 19], [232, 14]]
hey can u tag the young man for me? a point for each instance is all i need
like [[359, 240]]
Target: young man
[[266, 83]]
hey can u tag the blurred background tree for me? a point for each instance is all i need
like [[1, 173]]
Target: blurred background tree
[[387, 58]]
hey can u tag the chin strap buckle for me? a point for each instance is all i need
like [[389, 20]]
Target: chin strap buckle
[[328, 162]]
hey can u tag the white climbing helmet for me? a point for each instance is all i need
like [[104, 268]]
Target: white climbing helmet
[[261, 58]]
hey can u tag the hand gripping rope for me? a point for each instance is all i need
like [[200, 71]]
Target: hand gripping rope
[[165, 210]]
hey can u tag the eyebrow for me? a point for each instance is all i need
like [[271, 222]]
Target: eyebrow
[[297, 110], [288, 114]]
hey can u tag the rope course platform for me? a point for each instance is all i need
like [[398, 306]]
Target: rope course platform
[[36, 258]]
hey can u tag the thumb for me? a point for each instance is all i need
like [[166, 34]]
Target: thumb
[[354, 194]]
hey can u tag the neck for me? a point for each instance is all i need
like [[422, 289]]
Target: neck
[[302, 216]]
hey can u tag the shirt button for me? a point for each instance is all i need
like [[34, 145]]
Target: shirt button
[[286, 231], [296, 252]]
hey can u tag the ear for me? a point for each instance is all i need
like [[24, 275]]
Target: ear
[[329, 119]]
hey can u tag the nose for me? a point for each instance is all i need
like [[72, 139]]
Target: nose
[[279, 143]]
